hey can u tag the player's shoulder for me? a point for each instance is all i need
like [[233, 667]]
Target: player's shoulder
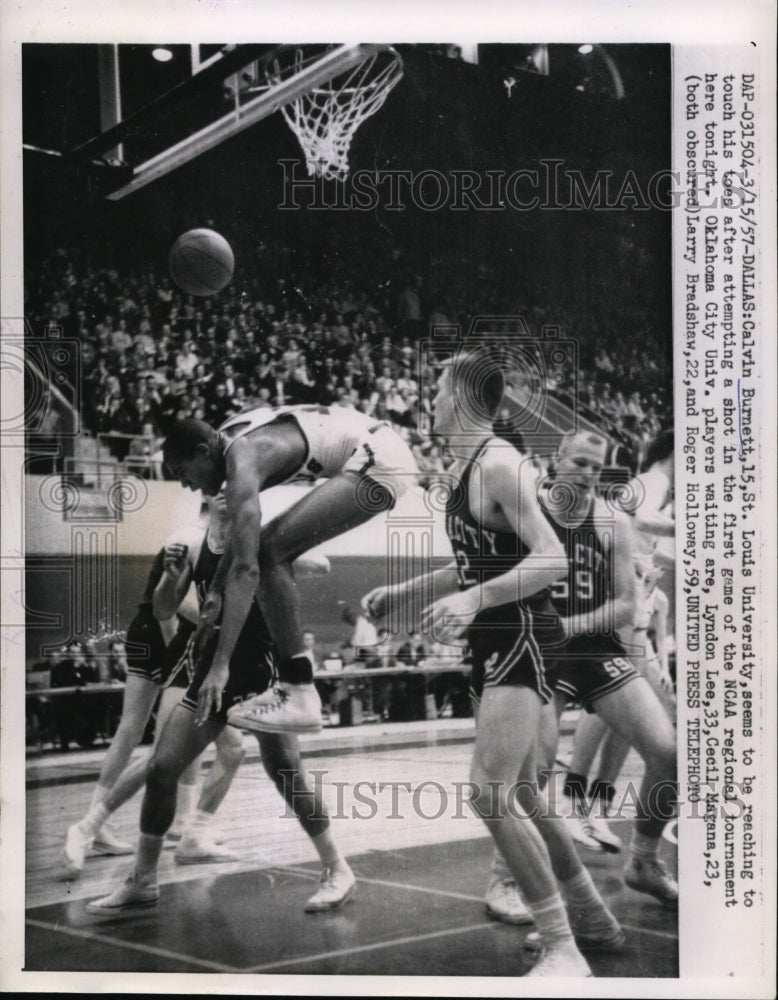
[[498, 451], [499, 458], [606, 512]]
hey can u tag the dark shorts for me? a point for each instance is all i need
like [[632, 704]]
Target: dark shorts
[[507, 646], [251, 671], [586, 673], [145, 645], [179, 667]]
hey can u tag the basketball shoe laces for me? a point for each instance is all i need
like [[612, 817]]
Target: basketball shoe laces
[[281, 698]]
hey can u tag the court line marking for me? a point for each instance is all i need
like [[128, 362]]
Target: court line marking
[[459, 895], [118, 943], [649, 930], [376, 946], [393, 885]]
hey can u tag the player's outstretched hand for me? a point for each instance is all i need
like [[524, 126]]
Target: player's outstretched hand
[[174, 559], [448, 617], [376, 603], [210, 696]]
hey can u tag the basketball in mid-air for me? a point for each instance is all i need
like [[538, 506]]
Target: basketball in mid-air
[[201, 262]]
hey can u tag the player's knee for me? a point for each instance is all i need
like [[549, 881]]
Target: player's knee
[[374, 497], [488, 793], [660, 754], [272, 549], [162, 776], [668, 759]]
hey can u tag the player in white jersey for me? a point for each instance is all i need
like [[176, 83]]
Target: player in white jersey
[[366, 465]]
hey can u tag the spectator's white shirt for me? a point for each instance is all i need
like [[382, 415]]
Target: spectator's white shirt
[[364, 633]]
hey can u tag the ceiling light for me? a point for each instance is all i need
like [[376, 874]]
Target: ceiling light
[[585, 49], [162, 55]]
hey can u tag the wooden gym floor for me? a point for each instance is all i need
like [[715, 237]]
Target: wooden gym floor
[[421, 863]]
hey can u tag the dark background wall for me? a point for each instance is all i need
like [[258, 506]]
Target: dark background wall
[[324, 598]]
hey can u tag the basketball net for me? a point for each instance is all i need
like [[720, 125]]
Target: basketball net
[[325, 118]]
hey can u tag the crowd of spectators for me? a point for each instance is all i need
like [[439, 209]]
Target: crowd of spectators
[[426, 681], [70, 697], [283, 335]]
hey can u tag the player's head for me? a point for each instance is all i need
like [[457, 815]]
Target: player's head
[[580, 459], [660, 449], [192, 451], [469, 392]]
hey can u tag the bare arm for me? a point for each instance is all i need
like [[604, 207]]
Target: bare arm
[[659, 621], [619, 611], [172, 588], [510, 489], [242, 574], [241, 571], [649, 516], [516, 497], [440, 582]]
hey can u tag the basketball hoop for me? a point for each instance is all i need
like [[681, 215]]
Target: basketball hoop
[[325, 118]]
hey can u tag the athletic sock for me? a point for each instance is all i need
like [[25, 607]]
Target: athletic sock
[[499, 870], [147, 860], [186, 799], [198, 824], [100, 794], [296, 670], [586, 904], [580, 891], [327, 849], [94, 819], [644, 847], [551, 920]]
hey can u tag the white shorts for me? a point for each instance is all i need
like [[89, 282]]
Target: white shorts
[[384, 457]]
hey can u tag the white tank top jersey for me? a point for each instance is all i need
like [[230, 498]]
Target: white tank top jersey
[[334, 436]]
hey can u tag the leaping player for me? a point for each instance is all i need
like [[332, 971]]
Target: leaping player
[[366, 465]]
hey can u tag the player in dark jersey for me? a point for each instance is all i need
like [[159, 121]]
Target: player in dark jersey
[[195, 722], [595, 600], [647, 500], [506, 558], [145, 652], [366, 465], [150, 662]]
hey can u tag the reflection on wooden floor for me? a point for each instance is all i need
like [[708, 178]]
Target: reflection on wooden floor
[[421, 861]]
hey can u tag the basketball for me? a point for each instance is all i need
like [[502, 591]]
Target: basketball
[[201, 262]]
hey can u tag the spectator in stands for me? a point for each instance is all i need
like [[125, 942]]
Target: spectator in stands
[[309, 647], [115, 662], [74, 714], [217, 407], [412, 651], [381, 655], [363, 639], [335, 306]]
